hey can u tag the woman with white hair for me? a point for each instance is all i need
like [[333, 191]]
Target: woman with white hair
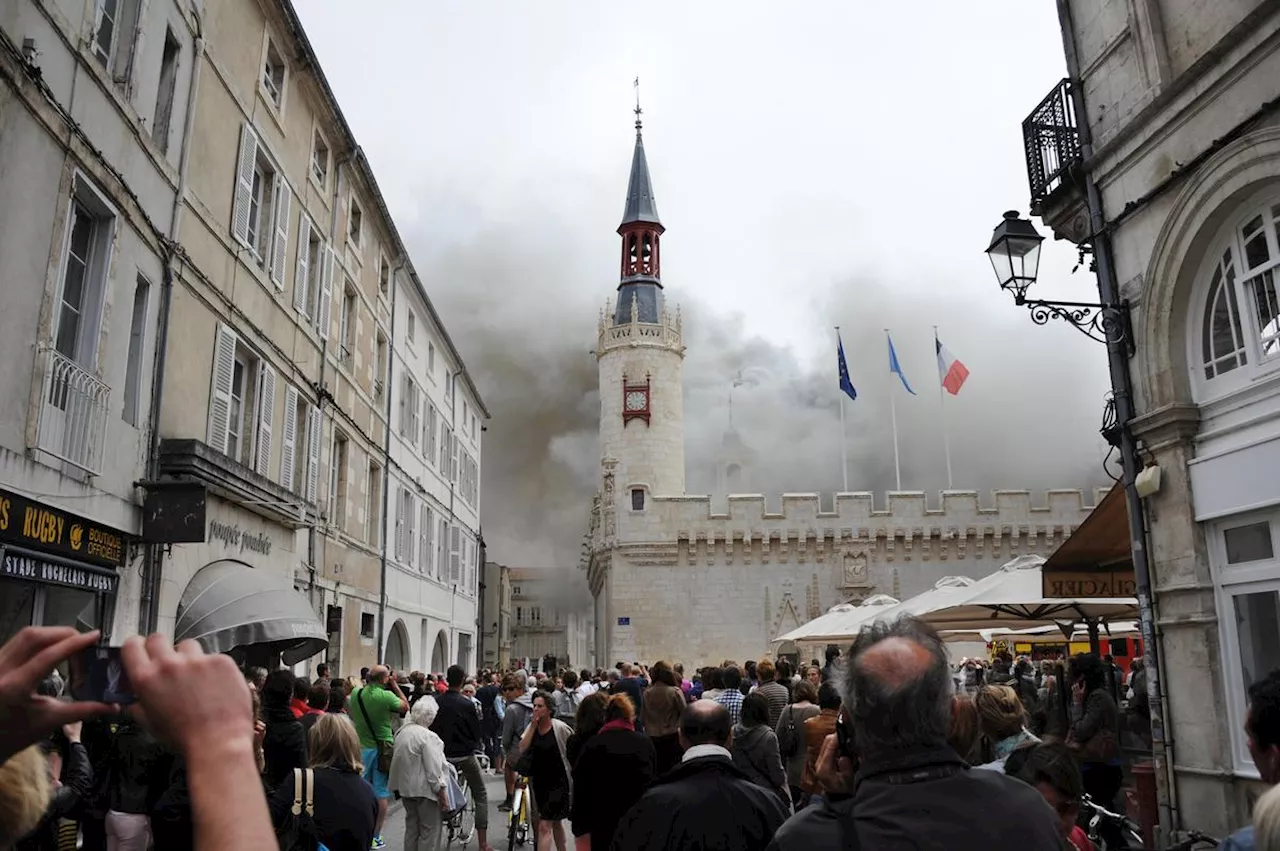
[[418, 775]]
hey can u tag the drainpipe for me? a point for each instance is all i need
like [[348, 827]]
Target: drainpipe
[[386, 459], [1122, 390], [148, 603], [480, 588]]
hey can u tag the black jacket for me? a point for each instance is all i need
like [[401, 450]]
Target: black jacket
[[133, 783], [77, 783], [457, 724], [609, 776], [490, 723], [344, 806], [284, 747], [702, 803], [928, 799]]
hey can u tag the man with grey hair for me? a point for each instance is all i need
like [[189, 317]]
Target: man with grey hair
[[897, 783]]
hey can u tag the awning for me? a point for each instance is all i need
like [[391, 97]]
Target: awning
[[1096, 560], [229, 604]]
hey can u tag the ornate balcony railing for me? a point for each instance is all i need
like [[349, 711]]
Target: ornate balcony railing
[[1052, 142], [73, 412]]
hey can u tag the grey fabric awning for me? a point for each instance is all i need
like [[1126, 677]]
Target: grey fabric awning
[[228, 604]]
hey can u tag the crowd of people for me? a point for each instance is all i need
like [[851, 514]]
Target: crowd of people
[[888, 747]]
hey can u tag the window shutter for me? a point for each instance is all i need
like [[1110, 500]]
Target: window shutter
[[455, 554], [413, 413], [425, 544], [301, 268], [224, 365], [266, 410], [283, 197], [399, 539], [326, 292], [429, 441], [442, 553], [404, 404], [244, 184], [314, 422], [410, 545], [289, 437], [454, 448]]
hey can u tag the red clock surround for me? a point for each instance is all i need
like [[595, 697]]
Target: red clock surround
[[636, 401]]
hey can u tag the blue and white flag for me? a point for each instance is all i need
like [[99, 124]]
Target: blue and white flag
[[895, 367], [845, 384]]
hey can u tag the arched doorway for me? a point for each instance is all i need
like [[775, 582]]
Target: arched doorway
[[397, 654], [440, 653]]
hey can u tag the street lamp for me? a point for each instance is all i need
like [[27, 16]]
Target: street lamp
[[1015, 256]]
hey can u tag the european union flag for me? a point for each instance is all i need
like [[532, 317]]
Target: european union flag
[[845, 384]]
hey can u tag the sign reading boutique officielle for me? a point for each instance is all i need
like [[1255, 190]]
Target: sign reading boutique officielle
[[27, 523]]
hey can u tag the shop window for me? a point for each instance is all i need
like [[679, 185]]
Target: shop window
[[1248, 543], [368, 625]]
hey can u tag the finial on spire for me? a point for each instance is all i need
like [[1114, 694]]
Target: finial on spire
[[638, 110]]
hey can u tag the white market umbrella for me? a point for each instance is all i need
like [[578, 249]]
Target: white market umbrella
[[840, 621], [1013, 596]]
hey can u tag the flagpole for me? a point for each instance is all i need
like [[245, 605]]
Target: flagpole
[[893, 416], [844, 435], [942, 403]]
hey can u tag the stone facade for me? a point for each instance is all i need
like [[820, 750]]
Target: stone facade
[[1181, 103], [546, 619]]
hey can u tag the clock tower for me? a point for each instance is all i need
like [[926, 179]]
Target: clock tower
[[640, 352]]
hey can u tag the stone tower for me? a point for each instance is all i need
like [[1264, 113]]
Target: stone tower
[[734, 463], [640, 352]]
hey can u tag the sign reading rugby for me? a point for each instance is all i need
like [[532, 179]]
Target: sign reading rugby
[[1088, 584], [41, 527]]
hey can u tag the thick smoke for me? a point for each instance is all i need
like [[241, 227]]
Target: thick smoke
[[525, 319]]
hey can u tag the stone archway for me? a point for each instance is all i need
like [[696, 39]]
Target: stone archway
[[440, 653], [397, 655]]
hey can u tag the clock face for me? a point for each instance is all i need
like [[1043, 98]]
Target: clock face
[[636, 400]]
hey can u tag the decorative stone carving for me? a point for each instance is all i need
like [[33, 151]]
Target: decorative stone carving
[[854, 573]]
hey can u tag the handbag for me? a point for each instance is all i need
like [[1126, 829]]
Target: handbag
[[298, 832], [453, 790], [385, 749]]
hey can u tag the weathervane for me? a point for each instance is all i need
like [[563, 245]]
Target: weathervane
[[638, 110]]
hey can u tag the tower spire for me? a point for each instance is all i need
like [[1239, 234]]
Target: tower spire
[[638, 110], [640, 282]]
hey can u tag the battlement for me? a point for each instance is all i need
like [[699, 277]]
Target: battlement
[[666, 334], [903, 514]]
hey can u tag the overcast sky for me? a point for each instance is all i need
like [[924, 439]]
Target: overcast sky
[[815, 164]]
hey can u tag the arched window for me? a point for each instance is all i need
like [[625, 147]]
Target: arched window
[[1238, 332]]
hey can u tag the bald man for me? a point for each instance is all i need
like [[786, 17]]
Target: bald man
[[912, 790], [372, 707], [705, 801]]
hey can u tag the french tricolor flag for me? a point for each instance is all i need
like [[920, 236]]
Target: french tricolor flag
[[951, 371]]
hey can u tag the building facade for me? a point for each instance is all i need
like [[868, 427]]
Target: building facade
[[495, 633], [90, 135], [1181, 137], [672, 578], [550, 620], [208, 388]]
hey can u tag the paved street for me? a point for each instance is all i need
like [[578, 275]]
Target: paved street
[[393, 832]]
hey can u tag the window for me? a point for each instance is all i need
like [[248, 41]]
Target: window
[[379, 366], [406, 511], [427, 539], [347, 327], [446, 451], [261, 207], [242, 403], [1248, 543], [473, 427], [520, 615], [274, 72], [429, 436], [448, 388], [409, 401], [319, 159], [637, 499], [355, 225], [313, 276], [455, 554], [300, 445], [85, 264], [373, 506], [384, 274], [115, 36], [515, 590], [133, 363], [368, 624], [412, 322], [165, 89], [431, 359], [338, 481], [442, 550]]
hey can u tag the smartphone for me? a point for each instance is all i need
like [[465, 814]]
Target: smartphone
[[844, 738], [98, 674]]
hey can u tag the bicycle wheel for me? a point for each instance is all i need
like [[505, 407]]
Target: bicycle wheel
[[513, 819], [465, 823]]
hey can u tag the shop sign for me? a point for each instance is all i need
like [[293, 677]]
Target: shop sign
[[31, 569], [42, 527], [1088, 584], [231, 535]]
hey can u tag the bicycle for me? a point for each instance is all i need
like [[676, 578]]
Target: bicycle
[[1098, 814], [518, 822], [1194, 839], [460, 825]]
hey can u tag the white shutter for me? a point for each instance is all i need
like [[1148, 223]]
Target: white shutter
[[266, 411], [404, 404], [429, 438], [454, 448], [399, 539], [314, 422], [424, 542], [442, 551], [301, 267], [224, 366], [326, 292], [244, 185], [410, 545], [413, 413], [455, 554], [289, 437], [280, 245]]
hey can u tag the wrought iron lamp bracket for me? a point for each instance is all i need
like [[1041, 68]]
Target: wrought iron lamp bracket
[[1104, 323]]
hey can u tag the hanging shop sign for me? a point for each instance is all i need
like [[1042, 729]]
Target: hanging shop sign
[[42, 527]]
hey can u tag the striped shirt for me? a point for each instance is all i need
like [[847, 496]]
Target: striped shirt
[[777, 696]]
